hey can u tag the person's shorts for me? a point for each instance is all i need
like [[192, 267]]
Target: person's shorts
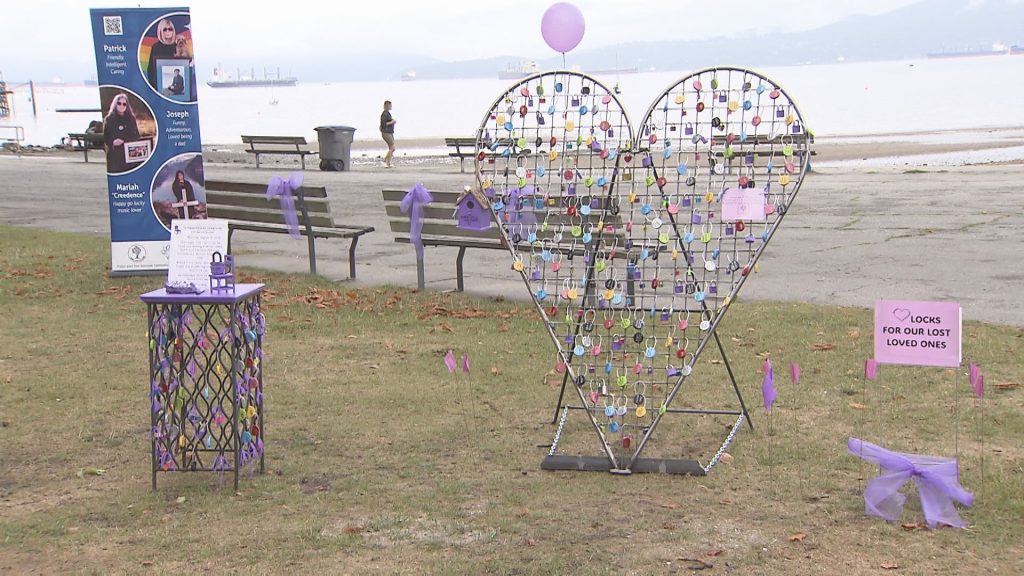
[[388, 137]]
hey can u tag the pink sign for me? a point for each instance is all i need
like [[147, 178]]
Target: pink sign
[[917, 333], [743, 204]]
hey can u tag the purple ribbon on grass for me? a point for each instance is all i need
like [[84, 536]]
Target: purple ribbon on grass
[[281, 188], [936, 480], [412, 204]]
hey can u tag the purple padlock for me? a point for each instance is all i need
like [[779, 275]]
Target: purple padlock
[[617, 344], [646, 162], [695, 218], [689, 129], [535, 275], [686, 201], [796, 127], [571, 190], [713, 288], [680, 287], [728, 230], [611, 132], [780, 112]]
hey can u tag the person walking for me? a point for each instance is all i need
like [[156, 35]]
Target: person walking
[[387, 132]]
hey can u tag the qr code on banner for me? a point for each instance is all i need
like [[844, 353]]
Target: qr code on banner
[[112, 26]]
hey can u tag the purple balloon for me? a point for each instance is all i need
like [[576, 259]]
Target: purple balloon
[[562, 26]]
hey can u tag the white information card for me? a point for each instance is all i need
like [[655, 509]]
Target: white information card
[[193, 243]]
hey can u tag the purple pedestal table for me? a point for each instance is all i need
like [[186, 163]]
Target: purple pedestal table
[[206, 380]]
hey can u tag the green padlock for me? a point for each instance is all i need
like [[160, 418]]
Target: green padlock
[[649, 180]]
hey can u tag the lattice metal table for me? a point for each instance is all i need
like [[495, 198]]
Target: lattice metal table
[[206, 380]]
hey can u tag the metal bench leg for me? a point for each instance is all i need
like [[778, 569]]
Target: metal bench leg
[[312, 253], [257, 154], [230, 232], [302, 158], [458, 270], [419, 274], [352, 258]]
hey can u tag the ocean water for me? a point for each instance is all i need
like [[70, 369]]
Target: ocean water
[[835, 100]]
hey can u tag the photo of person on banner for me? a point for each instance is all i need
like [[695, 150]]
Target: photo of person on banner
[[179, 190], [167, 45], [128, 130]]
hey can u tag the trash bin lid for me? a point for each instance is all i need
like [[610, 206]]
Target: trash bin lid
[[349, 128]]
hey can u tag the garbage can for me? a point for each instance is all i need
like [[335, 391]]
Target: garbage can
[[335, 147]]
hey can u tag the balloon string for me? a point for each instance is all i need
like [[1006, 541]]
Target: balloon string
[[563, 61]]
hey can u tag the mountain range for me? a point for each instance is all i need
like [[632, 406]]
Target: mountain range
[[912, 31]]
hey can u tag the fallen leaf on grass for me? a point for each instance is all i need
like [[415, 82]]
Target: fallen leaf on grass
[[913, 526], [180, 500], [856, 405], [697, 563], [90, 471], [726, 502], [374, 366], [503, 327], [670, 505], [726, 458], [668, 526], [1005, 385], [889, 566], [531, 542], [353, 529], [495, 371], [714, 553], [819, 346], [798, 537], [443, 326]]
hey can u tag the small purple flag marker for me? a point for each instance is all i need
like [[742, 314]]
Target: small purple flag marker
[[768, 386]]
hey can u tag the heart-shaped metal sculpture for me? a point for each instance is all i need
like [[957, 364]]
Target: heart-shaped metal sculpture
[[639, 239]]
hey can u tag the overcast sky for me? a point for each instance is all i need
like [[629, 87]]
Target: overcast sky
[[51, 34]]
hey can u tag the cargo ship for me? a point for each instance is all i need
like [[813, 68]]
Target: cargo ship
[[995, 50], [223, 80]]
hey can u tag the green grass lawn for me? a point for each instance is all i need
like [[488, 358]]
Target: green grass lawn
[[380, 462]]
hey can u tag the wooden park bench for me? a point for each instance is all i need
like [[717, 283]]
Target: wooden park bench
[[246, 207], [464, 148], [85, 142], [440, 228], [285, 145]]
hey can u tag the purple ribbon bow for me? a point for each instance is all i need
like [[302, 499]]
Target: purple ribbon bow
[[283, 189], [936, 480], [412, 204]]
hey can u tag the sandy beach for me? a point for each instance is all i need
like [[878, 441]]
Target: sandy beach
[[880, 217]]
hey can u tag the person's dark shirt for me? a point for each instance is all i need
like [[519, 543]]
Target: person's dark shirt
[[385, 123], [178, 85]]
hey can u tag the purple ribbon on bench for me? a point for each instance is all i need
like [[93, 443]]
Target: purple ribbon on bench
[[282, 189], [412, 204], [936, 479]]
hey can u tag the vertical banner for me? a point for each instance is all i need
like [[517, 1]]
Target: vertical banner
[[147, 81]]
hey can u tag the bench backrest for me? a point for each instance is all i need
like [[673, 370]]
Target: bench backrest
[[248, 202], [289, 140], [439, 219]]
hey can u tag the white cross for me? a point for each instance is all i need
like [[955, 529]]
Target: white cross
[[185, 202]]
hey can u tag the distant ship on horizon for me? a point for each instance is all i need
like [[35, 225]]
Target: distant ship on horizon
[[518, 70], [223, 80], [996, 49]]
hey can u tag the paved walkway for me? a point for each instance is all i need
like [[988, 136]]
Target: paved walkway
[[854, 235]]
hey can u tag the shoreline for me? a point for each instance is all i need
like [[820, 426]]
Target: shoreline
[[946, 147]]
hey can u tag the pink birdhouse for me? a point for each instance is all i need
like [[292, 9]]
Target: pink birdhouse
[[473, 212]]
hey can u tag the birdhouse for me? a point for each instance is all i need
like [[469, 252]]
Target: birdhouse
[[222, 273], [473, 211]]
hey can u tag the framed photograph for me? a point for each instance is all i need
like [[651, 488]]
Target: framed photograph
[[173, 78], [137, 151]]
